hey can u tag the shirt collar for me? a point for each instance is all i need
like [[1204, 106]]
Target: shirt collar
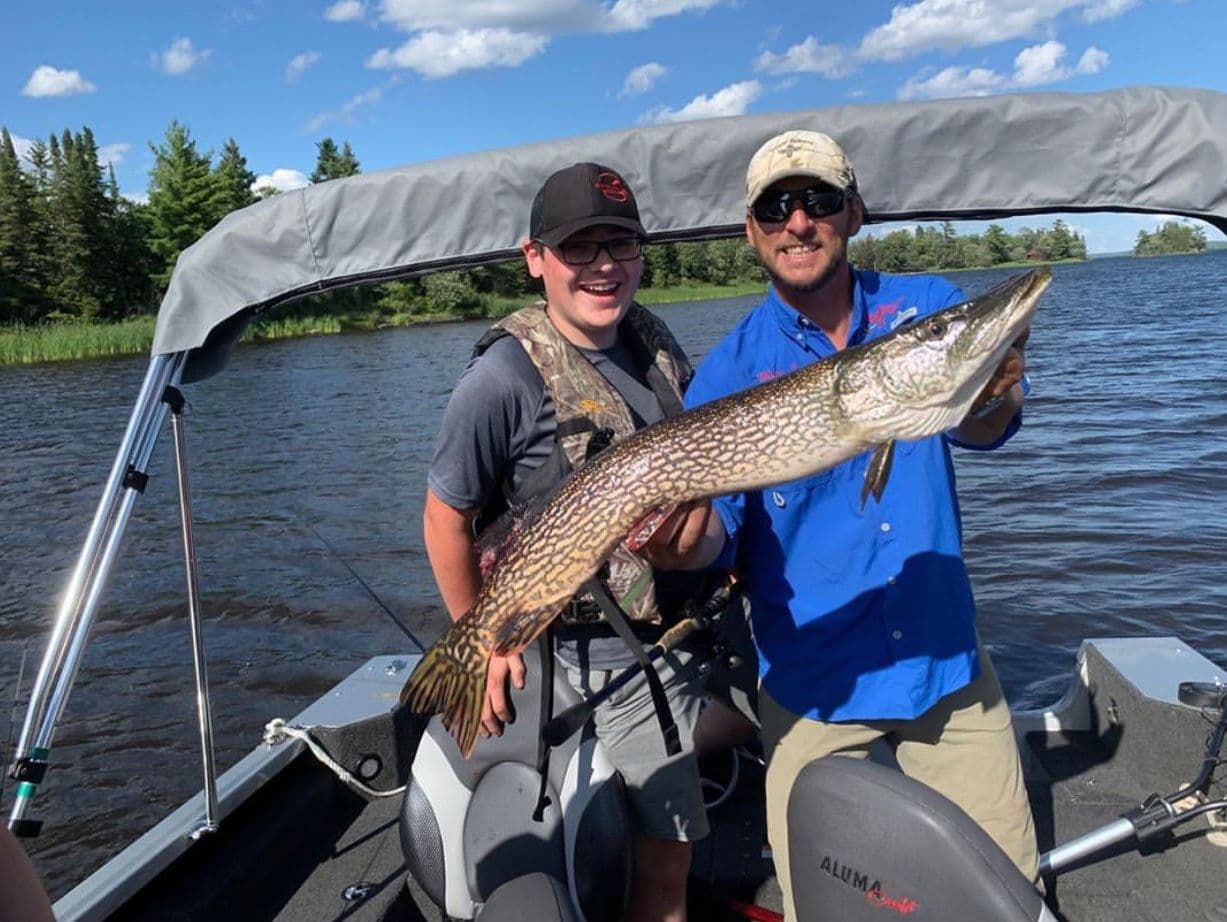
[[799, 330]]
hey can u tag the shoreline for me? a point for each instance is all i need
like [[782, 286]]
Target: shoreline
[[38, 345], [84, 341]]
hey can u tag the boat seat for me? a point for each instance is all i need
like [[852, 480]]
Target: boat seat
[[467, 826], [864, 838]]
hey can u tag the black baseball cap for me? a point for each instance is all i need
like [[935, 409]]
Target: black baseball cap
[[579, 196]]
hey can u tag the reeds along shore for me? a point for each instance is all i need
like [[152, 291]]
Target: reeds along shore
[[27, 345]]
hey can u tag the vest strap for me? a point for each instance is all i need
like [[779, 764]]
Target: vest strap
[[613, 614]]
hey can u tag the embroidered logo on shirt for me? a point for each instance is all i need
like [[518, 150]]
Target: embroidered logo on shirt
[[904, 316], [878, 315]]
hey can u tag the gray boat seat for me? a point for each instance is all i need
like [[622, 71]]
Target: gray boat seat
[[867, 842], [467, 830]]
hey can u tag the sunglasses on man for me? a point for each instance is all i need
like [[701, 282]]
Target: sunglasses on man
[[815, 201], [585, 252]]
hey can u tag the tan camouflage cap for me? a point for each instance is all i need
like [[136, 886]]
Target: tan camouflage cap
[[798, 153]]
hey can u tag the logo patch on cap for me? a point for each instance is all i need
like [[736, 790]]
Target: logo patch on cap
[[610, 185]]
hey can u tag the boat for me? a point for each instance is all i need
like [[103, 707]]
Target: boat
[[355, 809]]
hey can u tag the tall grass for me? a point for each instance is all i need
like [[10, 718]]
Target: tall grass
[[23, 345], [26, 345]]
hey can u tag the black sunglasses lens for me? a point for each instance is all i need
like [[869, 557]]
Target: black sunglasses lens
[[775, 208], [584, 252]]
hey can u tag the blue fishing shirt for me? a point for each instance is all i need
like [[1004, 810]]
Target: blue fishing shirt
[[858, 614]]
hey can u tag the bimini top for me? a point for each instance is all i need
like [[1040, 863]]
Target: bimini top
[[1138, 149]]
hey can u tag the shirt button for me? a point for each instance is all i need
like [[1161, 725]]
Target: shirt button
[[800, 337], [886, 526], [898, 635], [890, 581]]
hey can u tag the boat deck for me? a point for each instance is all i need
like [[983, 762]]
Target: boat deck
[[343, 842], [305, 848]]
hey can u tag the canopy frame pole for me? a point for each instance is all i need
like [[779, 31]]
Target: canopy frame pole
[[191, 568], [81, 599]]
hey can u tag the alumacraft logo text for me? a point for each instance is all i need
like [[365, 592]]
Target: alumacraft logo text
[[867, 885]]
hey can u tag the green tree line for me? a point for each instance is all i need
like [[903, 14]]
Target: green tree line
[[73, 249], [1172, 237], [934, 249]]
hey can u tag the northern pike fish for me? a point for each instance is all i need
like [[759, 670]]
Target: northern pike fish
[[915, 382]]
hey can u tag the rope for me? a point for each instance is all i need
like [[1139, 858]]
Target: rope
[[276, 731]]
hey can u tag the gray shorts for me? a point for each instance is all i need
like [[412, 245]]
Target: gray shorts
[[664, 791]]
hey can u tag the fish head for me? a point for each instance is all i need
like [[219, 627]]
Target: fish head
[[923, 378]]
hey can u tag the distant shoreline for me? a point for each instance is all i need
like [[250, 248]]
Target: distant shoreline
[[73, 341]]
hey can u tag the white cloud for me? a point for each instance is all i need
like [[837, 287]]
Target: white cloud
[[953, 24], [640, 79], [282, 179], [345, 11], [179, 58], [639, 14], [1093, 60], [808, 57], [113, 153], [300, 64], [345, 113], [1034, 66], [442, 54], [1040, 64], [1107, 9], [732, 100], [953, 81], [50, 81]]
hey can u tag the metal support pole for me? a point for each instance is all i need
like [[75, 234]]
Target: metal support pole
[[80, 603], [175, 400], [1062, 856]]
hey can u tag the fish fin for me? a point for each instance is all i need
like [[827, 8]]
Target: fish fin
[[641, 532], [450, 680], [877, 472]]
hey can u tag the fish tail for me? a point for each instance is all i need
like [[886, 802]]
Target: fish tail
[[451, 680]]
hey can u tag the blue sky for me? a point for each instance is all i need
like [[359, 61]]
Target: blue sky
[[410, 80]]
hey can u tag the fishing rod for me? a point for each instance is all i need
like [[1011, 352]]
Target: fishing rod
[[369, 591], [697, 617]]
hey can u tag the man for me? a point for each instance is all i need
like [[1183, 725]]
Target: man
[[548, 387], [863, 618]]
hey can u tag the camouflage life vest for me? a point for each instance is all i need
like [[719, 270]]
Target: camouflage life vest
[[590, 416]]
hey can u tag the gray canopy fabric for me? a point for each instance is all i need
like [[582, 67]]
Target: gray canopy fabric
[[1137, 149]]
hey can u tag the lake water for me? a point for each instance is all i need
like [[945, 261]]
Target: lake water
[[1106, 515]]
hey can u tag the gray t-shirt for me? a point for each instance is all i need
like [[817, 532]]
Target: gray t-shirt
[[500, 422]]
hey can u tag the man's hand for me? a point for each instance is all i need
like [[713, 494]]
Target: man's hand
[[686, 539], [497, 710], [1007, 374]]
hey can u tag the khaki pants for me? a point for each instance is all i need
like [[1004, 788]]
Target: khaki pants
[[963, 747]]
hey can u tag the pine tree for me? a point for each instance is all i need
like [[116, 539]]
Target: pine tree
[[79, 211], [184, 200], [347, 163], [234, 180], [20, 296], [333, 164], [326, 156]]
